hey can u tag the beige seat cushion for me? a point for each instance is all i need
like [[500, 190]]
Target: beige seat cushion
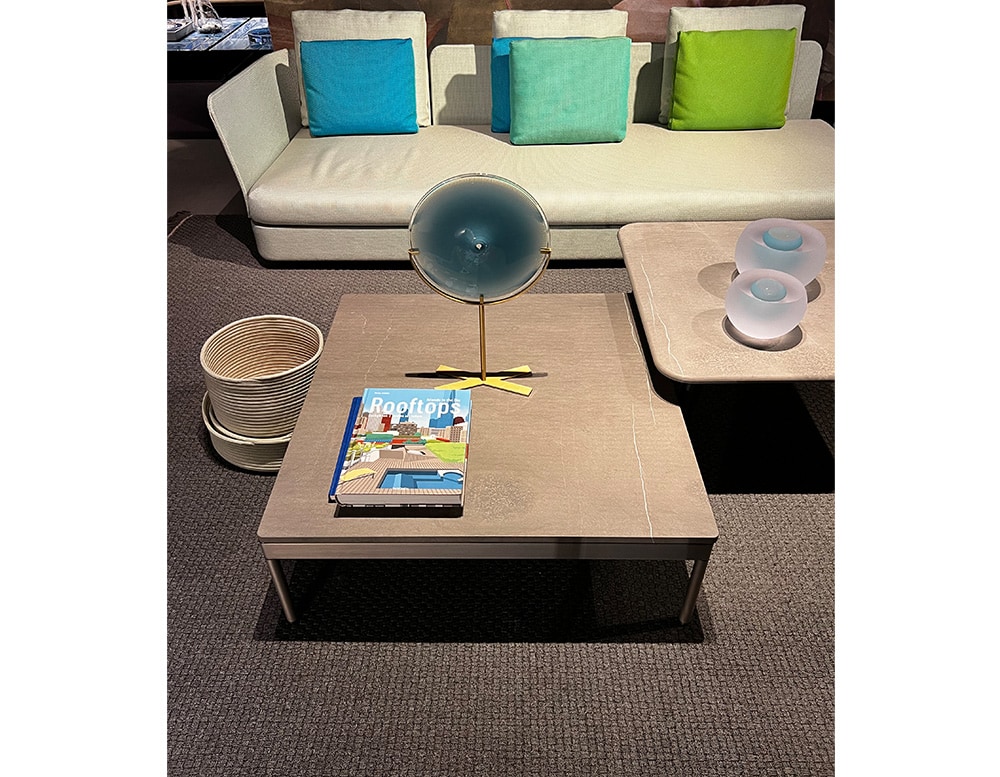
[[365, 25], [758, 17], [559, 24], [655, 174]]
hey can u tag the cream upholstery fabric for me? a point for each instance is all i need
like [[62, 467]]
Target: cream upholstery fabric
[[365, 25], [296, 244], [559, 24], [461, 87], [653, 175], [757, 17]]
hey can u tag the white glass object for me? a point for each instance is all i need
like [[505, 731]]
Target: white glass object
[[782, 244], [764, 304]]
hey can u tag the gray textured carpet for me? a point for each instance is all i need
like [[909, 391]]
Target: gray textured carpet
[[511, 668]]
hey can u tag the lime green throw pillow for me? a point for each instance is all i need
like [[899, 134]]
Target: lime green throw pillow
[[569, 90], [732, 79]]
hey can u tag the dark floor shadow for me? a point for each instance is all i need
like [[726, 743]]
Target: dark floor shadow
[[756, 438], [239, 228], [748, 438], [496, 600]]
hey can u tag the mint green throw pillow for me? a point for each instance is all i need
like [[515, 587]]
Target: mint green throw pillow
[[732, 79], [569, 90]]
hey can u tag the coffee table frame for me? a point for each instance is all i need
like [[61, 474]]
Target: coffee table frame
[[592, 465]]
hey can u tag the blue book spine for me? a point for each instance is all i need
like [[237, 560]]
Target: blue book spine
[[344, 445]]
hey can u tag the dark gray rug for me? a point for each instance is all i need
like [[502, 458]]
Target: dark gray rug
[[464, 668]]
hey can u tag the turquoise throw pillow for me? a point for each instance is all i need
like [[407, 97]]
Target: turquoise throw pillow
[[569, 90], [732, 79], [359, 87], [500, 84]]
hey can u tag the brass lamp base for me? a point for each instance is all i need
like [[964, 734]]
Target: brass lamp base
[[498, 380]]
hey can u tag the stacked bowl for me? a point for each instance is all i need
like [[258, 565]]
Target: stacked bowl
[[257, 371]]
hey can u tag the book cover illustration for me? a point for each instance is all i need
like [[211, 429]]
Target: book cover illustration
[[406, 448]]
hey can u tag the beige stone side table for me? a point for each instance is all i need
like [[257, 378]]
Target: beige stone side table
[[680, 272], [593, 464]]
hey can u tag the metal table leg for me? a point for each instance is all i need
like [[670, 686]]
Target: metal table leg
[[281, 586], [694, 586]]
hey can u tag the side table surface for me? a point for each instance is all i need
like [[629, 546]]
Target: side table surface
[[680, 272]]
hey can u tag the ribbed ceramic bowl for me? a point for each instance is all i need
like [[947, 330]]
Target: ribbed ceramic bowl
[[257, 371], [260, 454]]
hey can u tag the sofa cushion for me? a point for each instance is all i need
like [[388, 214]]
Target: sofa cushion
[[681, 18], [516, 25], [559, 24], [375, 181], [732, 79], [359, 87], [365, 25], [569, 90], [500, 83]]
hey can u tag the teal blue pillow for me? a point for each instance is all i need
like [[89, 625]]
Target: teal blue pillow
[[569, 90], [359, 87], [500, 83]]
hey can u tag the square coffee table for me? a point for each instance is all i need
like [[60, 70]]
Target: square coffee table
[[680, 272], [593, 464]]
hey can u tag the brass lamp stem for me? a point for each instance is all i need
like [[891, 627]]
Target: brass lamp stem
[[482, 338]]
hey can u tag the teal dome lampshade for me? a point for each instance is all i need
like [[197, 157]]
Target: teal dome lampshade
[[782, 244], [480, 240]]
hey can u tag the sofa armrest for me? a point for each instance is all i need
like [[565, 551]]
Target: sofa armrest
[[256, 114], [802, 94]]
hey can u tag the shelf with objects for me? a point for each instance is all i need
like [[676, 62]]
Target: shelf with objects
[[205, 43], [198, 61]]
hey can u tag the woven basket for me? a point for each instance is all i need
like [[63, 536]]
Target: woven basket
[[257, 371], [258, 454]]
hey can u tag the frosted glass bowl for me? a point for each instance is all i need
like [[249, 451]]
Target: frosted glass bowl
[[782, 244], [764, 304]]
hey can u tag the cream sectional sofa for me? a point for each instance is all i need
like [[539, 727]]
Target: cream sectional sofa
[[351, 197]]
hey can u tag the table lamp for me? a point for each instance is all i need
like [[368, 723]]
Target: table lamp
[[480, 240]]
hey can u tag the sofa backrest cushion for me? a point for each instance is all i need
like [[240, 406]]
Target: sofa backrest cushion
[[732, 79], [359, 87], [569, 90], [365, 25], [559, 24], [682, 18]]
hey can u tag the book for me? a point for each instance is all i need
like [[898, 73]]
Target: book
[[404, 448]]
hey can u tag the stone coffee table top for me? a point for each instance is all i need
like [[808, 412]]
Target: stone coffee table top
[[592, 464]]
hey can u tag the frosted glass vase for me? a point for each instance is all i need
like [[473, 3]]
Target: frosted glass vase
[[782, 244], [764, 304]]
